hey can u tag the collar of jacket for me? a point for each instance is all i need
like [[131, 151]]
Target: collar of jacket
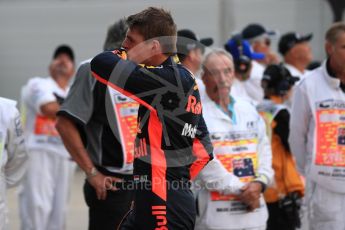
[[219, 113], [330, 79]]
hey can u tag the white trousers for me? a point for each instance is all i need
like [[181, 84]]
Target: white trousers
[[3, 202], [45, 191], [326, 209]]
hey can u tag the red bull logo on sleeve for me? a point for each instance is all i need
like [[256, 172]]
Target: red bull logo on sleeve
[[159, 211], [193, 105]]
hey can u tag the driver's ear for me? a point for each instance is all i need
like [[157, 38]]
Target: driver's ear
[[156, 47]]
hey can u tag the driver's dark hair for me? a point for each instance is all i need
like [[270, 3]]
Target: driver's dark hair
[[155, 23]]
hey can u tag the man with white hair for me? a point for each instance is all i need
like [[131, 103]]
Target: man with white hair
[[230, 193]]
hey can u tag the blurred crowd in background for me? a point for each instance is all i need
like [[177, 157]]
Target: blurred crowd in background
[[276, 121]]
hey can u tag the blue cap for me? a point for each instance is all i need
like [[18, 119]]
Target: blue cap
[[234, 46]]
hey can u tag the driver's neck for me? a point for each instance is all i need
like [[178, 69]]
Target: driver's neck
[[157, 60]]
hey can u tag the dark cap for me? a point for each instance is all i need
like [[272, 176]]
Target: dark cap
[[187, 40], [278, 77], [289, 40], [255, 30], [238, 47], [64, 49]]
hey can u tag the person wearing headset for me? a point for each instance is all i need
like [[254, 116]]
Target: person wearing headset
[[284, 198], [248, 72]]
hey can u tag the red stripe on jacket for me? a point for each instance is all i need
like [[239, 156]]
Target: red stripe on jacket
[[123, 91], [202, 158], [158, 160]]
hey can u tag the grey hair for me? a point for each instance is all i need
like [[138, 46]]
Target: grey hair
[[115, 35], [215, 51]]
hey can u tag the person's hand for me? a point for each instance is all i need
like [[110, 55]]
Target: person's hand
[[102, 183], [251, 195]]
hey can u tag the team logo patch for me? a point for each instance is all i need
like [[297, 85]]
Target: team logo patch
[[159, 211], [193, 105], [189, 130]]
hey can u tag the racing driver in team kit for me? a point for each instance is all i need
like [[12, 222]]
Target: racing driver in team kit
[[172, 143]]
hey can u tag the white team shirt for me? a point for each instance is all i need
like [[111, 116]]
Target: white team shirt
[[13, 154], [317, 129], [242, 147], [40, 131]]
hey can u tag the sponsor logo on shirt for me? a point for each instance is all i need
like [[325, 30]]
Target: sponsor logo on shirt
[[140, 149], [122, 99], [159, 211], [189, 130], [251, 125], [193, 105], [330, 103], [233, 136]]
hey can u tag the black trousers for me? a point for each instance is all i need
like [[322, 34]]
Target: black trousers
[[277, 219], [150, 212], [107, 214]]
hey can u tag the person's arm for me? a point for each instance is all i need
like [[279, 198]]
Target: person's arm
[[141, 84], [50, 109], [73, 143], [17, 156], [216, 178], [202, 148], [265, 171], [252, 190], [282, 128], [299, 125], [77, 110], [39, 96]]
